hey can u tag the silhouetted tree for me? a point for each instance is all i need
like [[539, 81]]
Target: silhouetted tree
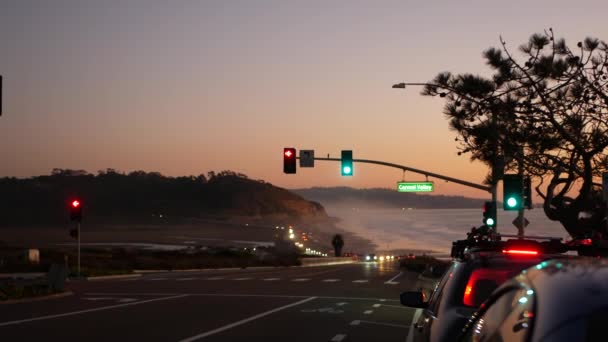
[[550, 110], [338, 242]]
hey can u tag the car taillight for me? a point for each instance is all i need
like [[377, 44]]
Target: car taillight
[[520, 251], [481, 283]]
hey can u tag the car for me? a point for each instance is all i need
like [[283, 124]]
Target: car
[[478, 268], [558, 300], [370, 257]]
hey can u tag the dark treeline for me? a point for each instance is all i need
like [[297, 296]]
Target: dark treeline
[[112, 196]]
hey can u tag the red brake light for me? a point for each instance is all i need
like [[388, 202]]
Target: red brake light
[[520, 251], [586, 242]]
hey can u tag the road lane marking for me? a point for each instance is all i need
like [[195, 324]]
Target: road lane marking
[[119, 300], [392, 282], [156, 279], [271, 279], [330, 280], [246, 320], [368, 312], [236, 295], [301, 279], [214, 278], [338, 338], [89, 310], [410, 334], [185, 279], [395, 306], [376, 305], [341, 304], [361, 281], [393, 278], [245, 278], [355, 322], [382, 324]]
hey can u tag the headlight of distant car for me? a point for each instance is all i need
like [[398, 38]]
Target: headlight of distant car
[[381, 258], [367, 257], [375, 257]]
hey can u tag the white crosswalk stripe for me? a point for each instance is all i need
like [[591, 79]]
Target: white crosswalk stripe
[[186, 279], [246, 278], [330, 280], [214, 278], [361, 281], [301, 279], [271, 279]]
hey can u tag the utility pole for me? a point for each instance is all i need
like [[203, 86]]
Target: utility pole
[[520, 213]]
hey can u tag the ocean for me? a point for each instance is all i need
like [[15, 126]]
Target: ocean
[[432, 229]]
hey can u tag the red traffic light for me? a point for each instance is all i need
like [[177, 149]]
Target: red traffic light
[[289, 160], [75, 210]]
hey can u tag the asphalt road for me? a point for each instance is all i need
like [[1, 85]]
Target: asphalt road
[[353, 302]]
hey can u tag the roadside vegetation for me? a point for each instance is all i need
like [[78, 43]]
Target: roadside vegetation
[[544, 109]]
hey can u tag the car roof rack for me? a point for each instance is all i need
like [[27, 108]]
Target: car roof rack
[[486, 240]]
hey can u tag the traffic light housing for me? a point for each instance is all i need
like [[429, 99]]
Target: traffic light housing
[[289, 160], [75, 210], [513, 192], [74, 233], [489, 214], [347, 163]]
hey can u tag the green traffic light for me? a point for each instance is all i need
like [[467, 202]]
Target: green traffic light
[[490, 222], [346, 170], [512, 202]]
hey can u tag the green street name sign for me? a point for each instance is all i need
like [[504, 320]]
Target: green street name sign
[[415, 186]]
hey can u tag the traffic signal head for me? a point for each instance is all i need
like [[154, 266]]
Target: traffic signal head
[[347, 163], [513, 192], [489, 214], [289, 160], [75, 210]]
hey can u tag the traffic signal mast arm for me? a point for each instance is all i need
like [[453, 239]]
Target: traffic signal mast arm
[[407, 168]]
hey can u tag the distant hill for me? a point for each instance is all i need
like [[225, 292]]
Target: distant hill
[[386, 198], [114, 197]]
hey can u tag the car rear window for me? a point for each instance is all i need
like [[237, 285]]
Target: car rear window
[[484, 280]]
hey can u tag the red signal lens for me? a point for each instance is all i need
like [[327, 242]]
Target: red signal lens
[[520, 251], [75, 204], [288, 153]]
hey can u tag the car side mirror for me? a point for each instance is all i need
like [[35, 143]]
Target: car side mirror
[[414, 299]]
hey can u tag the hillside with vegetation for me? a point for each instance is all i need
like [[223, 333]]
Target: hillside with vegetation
[[114, 197]]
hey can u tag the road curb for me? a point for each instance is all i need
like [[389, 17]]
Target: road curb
[[36, 299], [212, 269], [117, 276]]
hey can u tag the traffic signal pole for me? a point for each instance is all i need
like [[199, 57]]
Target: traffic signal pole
[[520, 213], [425, 173], [78, 267]]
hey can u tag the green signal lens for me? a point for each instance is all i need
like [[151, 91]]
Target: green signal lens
[[346, 170], [512, 202], [490, 221]]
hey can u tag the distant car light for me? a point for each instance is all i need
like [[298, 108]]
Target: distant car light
[[367, 257], [375, 257], [381, 258]]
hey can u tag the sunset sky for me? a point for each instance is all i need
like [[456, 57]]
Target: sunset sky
[[185, 87]]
